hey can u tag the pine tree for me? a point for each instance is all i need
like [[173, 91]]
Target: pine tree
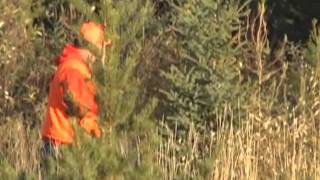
[[126, 150], [207, 73], [205, 78]]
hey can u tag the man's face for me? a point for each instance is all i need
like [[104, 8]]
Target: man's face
[[88, 56], [91, 58]]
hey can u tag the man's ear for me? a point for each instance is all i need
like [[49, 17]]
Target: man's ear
[[92, 58], [107, 43]]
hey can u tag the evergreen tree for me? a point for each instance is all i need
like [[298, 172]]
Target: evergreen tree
[[206, 76], [207, 73], [126, 150]]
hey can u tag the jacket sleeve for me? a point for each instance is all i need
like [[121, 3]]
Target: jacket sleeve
[[81, 93]]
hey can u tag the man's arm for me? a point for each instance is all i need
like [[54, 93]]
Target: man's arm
[[80, 101]]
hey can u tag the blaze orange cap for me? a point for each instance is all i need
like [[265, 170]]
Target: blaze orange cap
[[94, 33]]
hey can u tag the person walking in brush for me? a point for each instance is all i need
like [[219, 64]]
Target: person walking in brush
[[72, 92]]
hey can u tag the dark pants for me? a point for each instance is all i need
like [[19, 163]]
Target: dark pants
[[49, 149], [50, 156]]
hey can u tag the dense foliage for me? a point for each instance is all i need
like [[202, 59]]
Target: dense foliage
[[188, 89]]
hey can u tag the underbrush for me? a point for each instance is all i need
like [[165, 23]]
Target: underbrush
[[261, 147], [227, 105]]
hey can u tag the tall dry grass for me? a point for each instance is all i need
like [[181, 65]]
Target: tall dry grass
[[261, 148], [19, 150]]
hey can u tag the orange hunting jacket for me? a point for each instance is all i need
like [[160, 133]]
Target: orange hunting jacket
[[74, 77]]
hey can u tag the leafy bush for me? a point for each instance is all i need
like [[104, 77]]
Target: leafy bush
[[24, 67]]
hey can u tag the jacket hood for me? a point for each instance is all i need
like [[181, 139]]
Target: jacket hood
[[69, 52]]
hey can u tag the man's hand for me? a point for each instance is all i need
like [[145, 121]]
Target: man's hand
[[89, 123], [97, 132]]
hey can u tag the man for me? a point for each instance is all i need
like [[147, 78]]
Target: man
[[72, 92]]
